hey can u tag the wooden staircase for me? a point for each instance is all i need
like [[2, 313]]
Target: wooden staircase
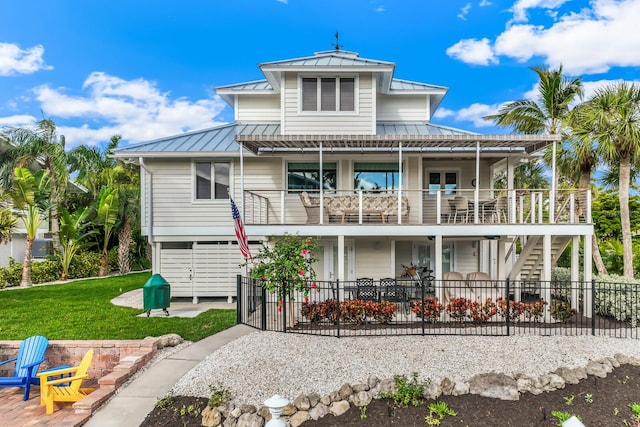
[[530, 260]]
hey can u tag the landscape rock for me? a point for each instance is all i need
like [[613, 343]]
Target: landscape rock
[[360, 387], [211, 417], [447, 386], [494, 385], [571, 376], [299, 418], [230, 422], [432, 391], [302, 403], [246, 408], [372, 381], [460, 388], [236, 413], [326, 399], [318, 411], [596, 369], [362, 398], [314, 398], [339, 408], [345, 391], [386, 386], [169, 340], [626, 360], [263, 411], [556, 382], [288, 410], [250, 420]]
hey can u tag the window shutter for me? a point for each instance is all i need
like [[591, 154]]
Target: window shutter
[[328, 92], [347, 95], [309, 95]]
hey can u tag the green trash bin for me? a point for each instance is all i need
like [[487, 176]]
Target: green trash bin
[[156, 293]]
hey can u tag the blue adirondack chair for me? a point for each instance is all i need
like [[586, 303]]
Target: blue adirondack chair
[[30, 356]]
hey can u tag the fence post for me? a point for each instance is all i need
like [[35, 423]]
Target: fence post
[[593, 307], [284, 311], [263, 309], [508, 301], [338, 308], [422, 303], [239, 299]]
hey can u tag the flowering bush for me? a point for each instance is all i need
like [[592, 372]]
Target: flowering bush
[[457, 308], [512, 309], [350, 311], [481, 312], [534, 310], [429, 309], [287, 266]]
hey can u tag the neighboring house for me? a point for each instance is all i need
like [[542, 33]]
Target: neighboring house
[[335, 147]]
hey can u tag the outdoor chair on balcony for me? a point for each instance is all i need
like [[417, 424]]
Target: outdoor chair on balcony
[[453, 285], [366, 290], [459, 209], [498, 210]]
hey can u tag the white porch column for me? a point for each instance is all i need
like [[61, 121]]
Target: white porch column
[[321, 187], [575, 270], [501, 254], [400, 182], [341, 257], [437, 272], [546, 274], [392, 261], [588, 275], [510, 173], [242, 179], [476, 193]]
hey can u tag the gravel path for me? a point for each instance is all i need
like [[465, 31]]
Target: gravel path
[[261, 364]]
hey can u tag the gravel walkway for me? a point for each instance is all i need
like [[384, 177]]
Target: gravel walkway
[[261, 364]]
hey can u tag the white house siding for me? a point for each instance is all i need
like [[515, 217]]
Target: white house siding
[[359, 123], [373, 258], [466, 256], [466, 170], [259, 108], [15, 249], [410, 108]]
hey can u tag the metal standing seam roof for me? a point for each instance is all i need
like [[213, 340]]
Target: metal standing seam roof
[[266, 137], [265, 86], [334, 58], [399, 85]]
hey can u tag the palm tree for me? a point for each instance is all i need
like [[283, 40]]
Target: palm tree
[[73, 236], [107, 216], [612, 119], [30, 195], [38, 145], [7, 219]]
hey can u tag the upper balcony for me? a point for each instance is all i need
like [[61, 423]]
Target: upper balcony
[[418, 207]]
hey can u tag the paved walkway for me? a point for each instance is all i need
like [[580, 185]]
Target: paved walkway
[[131, 404]]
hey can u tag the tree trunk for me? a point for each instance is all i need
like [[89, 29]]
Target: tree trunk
[[55, 229], [64, 276], [584, 186], [104, 261], [597, 257], [625, 222], [25, 282], [124, 241]]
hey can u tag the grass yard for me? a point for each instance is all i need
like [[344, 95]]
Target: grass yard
[[82, 310]]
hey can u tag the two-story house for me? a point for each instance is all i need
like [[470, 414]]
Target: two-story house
[[335, 147]]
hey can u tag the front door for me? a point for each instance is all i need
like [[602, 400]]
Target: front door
[[331, 260]]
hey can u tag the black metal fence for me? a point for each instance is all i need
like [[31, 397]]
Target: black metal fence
[[449, 307]]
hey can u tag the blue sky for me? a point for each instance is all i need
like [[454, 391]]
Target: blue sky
[[146, 69]]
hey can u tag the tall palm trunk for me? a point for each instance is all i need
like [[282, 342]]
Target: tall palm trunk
[[25, 282], [625, 222], [124, 241], [104, 262]]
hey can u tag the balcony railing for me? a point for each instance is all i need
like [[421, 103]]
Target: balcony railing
[[418, 207]]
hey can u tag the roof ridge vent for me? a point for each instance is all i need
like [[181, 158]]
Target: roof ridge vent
[[335, 52]]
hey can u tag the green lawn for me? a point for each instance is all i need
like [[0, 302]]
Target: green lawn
[[82, 310]]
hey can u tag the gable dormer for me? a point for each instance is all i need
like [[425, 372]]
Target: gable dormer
[[331, 92]]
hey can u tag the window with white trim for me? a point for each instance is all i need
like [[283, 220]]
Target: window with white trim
[[328, 94], [447, 181], [306, 176], [212, 180]]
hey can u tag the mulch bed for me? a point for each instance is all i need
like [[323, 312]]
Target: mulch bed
[[608, 405]]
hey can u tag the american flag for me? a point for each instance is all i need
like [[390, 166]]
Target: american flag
[[240, 234]]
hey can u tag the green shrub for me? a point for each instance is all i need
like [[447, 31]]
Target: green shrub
[[619, 298], [84, 264], [48, 270]]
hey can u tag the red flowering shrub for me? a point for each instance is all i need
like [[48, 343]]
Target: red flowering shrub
[[535, 310], [385, 311], [350, 311], [513, 309], [353, 311], [429, 308], [457, 308], [311, 311], [482, 312]]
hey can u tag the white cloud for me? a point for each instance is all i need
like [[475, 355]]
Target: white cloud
[[14, 60], [520, 7], [484, 3], [283, 1], [135, 109], [18, 120], [473, 51], [472, 113], [380, 9], [589, 41], [464, 11]]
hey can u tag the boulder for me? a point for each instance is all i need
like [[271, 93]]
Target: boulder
[[302, 403], [250, 420], [494, 385], [318, 411], [299, 418], [596, 369], [339, 408], [362, 398], [211, 417], [345, 391]]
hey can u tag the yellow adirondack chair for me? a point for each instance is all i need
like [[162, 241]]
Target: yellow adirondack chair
[[52, 390]]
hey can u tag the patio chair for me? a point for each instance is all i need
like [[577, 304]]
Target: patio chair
[[30, 356], [459, 209], [454, 286], [395, 293], [54, 390], [481, 285], [366, 290]]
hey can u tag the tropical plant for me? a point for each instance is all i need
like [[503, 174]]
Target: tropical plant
[[612, 119], [30, 196], [7, 219], [36, 148], [73, 236], [107, 216]]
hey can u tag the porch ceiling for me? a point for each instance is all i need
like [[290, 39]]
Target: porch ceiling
[[385, 143]]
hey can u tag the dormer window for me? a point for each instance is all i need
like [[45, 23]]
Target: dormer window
[[328, 94]]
